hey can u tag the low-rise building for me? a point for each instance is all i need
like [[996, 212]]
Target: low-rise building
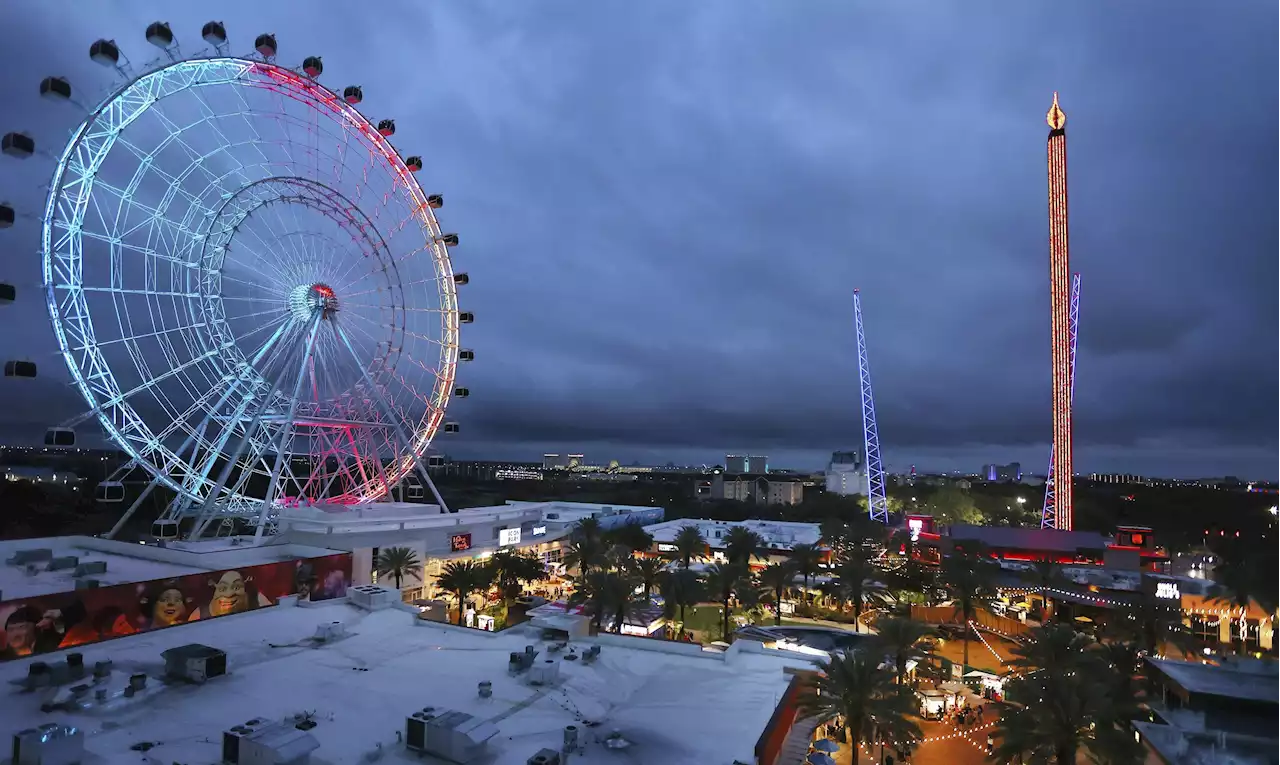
[[761, 489], [1224, 714], [779, 537]]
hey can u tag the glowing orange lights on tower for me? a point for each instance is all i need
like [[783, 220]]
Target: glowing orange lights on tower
[[1060, 313]]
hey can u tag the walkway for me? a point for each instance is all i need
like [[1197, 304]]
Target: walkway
[[796, 748]]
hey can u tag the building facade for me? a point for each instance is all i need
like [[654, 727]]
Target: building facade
[[846, 474], [779, 537], [737, 464], [763, 490]]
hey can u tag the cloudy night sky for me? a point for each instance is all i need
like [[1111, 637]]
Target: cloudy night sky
[[665, 207]]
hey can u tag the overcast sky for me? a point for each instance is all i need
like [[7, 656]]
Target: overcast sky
[[665, 206]]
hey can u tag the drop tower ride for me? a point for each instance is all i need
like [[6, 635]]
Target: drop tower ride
[[1058, 514]]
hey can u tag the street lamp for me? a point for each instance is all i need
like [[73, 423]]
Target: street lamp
[[1022, 500]]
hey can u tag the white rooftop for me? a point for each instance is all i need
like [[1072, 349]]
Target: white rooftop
[[782, 534], [673, 708], [1248, 680], [129, 562]]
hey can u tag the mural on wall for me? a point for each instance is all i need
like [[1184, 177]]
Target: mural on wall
[[80, 617]]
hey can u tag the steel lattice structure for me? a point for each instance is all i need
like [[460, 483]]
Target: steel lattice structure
[[250, 289], [1060, 299], [877, 501], [1049, 513]]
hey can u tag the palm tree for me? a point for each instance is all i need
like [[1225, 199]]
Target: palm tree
[[647, 571], [1247, 574], [689, 544], [901, 638], [778, 578], [463, 577], [588, 528], [837, 534], [861, 697], [680, 589], [722, 580], [511, 569], [853, 567], [606, 594], [1151, 624], [399, 563], [971, 579], [584, 553], [1069, 696], [742, 544], [632, 536], [805, 558]]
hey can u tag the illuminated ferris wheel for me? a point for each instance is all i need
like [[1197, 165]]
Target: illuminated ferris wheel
[[248, 285]]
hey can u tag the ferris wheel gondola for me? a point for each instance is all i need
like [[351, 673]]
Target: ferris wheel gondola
[[270, 288]]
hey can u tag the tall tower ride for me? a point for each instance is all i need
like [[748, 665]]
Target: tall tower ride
[[1060, 311], [1050, 500], [877, 500]]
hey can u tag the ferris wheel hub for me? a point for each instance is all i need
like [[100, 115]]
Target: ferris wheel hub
[[306, 300]]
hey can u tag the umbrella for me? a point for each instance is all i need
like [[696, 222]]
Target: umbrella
[[825, 745], [818, 758]]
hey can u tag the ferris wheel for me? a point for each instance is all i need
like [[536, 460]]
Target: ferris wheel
[[248, 285]]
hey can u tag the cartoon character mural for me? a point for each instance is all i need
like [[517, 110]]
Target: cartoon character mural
[[64, 620]]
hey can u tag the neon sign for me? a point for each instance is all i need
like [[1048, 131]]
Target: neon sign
[[459, 542], [1168, 591]]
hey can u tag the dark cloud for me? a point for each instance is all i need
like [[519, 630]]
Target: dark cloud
[[665, 208]]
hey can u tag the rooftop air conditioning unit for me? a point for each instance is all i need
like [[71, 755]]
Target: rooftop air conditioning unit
[[63, 562], [276, 744], [544, 757], [30, 555], [415, 729], [453, 736], [194, 663], [231, 739], [49, 744], [92, 567], [327, 633], [87, 584], [545, 672], [371, 597]]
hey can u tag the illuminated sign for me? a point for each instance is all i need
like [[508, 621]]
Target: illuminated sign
[[916, 525], [539, 530], [666, 548], [508, 537], [459, 542], [1168, 591]]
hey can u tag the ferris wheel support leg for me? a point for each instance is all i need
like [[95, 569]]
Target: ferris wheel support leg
[[137, 503], [209, 506], [216, 449], [268, 499], [391, 417]]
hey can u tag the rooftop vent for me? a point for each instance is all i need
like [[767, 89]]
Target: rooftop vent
[[544, 757]]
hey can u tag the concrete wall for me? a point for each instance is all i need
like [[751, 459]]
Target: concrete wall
[[653, 644]]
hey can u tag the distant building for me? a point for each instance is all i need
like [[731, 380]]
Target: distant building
[[763, 490], [1121, 478], [736, 464], [846, 474], [1010, 473], [779, 537], [39, 475], [562, 461]]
